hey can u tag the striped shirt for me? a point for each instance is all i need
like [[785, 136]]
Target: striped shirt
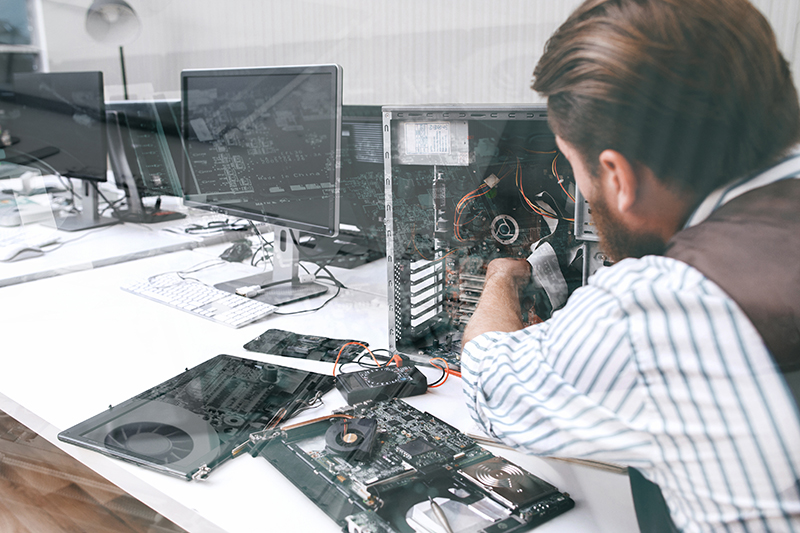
[[651, 365]]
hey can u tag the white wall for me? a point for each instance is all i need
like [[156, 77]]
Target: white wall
[[410, 51], [392, 52]]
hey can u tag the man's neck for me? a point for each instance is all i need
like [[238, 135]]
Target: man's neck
[[663, 209]]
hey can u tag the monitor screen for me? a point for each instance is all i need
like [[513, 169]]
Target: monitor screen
[[361, 187], [263, 144], [149, 136], [56, 123]]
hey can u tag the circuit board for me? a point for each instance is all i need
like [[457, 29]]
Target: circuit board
[[311, 347], [388, 467], [465, 186], [189, 424]]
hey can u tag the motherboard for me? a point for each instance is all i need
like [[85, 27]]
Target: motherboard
[[386, 467]]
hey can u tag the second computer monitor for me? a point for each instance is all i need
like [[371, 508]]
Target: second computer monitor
[[56, 122]]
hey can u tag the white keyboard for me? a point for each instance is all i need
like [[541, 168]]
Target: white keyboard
[[201, 300]]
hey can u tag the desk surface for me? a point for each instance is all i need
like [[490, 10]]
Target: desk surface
[[75, 344], [108, 245]]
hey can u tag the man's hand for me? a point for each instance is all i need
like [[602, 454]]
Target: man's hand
[[498, 308], [516, 271]]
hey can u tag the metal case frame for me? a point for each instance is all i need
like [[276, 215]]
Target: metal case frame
[[502, 133]]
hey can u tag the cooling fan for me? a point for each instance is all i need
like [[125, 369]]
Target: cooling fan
[[155, 434], [353, 438], [160, 443]]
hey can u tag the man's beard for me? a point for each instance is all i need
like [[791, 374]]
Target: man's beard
[[619, 242]]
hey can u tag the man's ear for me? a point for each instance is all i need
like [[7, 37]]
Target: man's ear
[[620, 180]]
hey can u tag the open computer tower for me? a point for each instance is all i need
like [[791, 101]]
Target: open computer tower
[[465, 185]]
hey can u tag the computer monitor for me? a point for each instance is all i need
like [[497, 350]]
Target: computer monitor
[[263, 144], [56, 123], [362, 232], [145, 151]]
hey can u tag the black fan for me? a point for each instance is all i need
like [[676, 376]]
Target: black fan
[[159, 443], [352, 439]]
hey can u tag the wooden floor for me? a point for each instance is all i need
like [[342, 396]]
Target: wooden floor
[[42, 489]]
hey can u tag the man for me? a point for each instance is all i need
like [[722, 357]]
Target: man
[[679, 118]]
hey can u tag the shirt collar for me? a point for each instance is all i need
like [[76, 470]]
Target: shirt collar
[[788, 168]]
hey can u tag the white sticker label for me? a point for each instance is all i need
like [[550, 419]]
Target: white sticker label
[[427, 138]]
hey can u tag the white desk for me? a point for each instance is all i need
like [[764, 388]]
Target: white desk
[[73, 345], [109, 245]]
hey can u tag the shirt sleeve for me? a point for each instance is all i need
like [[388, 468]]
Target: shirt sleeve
[[650, 365], [565, 387]]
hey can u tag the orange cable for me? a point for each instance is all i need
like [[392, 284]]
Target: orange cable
[[356, 343], [446, 370], [559, 180]]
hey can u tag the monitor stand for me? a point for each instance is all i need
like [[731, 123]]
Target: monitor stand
[[137, 212], [282, 284], [89, 217]]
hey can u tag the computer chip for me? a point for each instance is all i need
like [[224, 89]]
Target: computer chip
[[415, 447]]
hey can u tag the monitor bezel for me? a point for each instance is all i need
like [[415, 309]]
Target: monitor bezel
[[331, 229]]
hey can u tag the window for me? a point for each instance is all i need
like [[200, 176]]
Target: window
[[20, 49]]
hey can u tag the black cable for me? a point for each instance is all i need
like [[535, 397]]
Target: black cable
[[370, 363], [182, 274], [117, 213], [336, 282], [330, 276], [112, 205], [339, 285], [359, 361], [338, 290], [274, 284], [67, 185], [308, 257], [216, 226], [441, 378], [256, 260], [57, 245], [266, 256]]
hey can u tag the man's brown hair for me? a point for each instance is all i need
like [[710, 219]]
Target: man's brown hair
[[696, 90]]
